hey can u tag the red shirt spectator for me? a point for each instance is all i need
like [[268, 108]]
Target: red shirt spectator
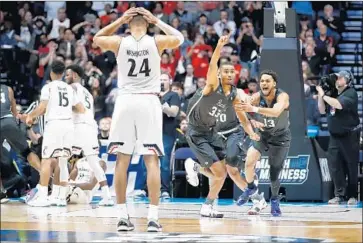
[[169, 7], [238, 68], [201, 64], [168, 65]]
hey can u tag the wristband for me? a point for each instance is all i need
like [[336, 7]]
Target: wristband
[[255, 109]]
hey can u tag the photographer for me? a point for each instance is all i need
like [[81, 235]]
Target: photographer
[[171, 105], [344, 128]]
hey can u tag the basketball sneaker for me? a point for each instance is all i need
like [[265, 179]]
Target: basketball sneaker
[[106, 202], [208, 210], [39, 201], [125, 225], [191, 172], [275, 207], [259, 204], [154, 226], [246, 195], [3, 197]]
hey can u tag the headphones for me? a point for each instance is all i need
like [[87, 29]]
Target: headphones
[[348, 76]]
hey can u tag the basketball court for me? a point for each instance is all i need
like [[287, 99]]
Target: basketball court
[[301, 222]]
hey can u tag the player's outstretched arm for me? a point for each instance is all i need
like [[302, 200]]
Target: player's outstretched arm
[[212, 74], [281, 104], [105, 38], [173, 37]]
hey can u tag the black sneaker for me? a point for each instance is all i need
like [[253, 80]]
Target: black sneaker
[[154, 226], [3, 198], [125, 225]]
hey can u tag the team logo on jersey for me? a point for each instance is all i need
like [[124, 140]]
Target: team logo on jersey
[[295, 170]]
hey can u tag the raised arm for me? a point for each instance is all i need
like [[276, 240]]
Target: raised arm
[[105, 38], [172, 38], [212, 74]]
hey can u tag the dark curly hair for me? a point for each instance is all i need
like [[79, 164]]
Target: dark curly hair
[[271, 73]]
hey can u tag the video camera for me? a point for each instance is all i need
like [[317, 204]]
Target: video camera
[[327, 83]]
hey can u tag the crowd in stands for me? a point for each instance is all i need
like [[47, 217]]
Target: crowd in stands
[[33, 34]]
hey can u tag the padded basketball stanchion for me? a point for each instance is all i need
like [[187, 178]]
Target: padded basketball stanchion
[[302, 175]]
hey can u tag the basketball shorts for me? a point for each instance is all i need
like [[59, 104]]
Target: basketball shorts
[[58, 139], [208, 146], [85, 140], [276, 147], [136, 126], [235, 151], [78, 196], [37, 147]]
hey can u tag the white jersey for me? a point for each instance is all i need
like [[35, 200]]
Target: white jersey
[[85, 173], [61, 97], [138, 65], [85, 97]]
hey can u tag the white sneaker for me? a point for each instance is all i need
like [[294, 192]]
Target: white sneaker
[[259, 204], [53, 201], [191, 174], [61, 202], [106, 202], [208, 210], [38, 201]]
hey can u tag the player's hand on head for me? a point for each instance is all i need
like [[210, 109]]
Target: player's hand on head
[[129, 14], [150, 18], [224, 39]]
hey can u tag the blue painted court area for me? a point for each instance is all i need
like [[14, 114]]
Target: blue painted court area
[[59, 236]]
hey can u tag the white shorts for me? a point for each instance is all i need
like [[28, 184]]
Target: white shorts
[[78, 196], [57, 139], [137, 125], [85, 139]]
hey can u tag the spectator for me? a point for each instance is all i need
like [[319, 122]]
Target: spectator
[[333, 23], [56, 23], [312, 59], [158, 12], [178, 88], [237, 65], [210, 37], [168, 65], [244, 79], [181, 140], [104, 127], [7, 38], [252, 86], [202, 25], [188, 80], [224, 23], [248, 41], [67, 44], [199, 54], [171, 104], [183, 15], [52, 9]]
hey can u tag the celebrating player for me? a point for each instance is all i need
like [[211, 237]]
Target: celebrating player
[[271, 108]]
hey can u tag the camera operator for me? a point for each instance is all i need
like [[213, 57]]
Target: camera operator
[[344, 128], [171, 105]]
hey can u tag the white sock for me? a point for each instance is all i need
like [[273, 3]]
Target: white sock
[[55, 191], [42, 190], [153, 212], [63, 166], [106, 192], [63, 190], [123, 211]]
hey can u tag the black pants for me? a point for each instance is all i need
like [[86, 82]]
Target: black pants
[[343, 155], [14, 136]]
